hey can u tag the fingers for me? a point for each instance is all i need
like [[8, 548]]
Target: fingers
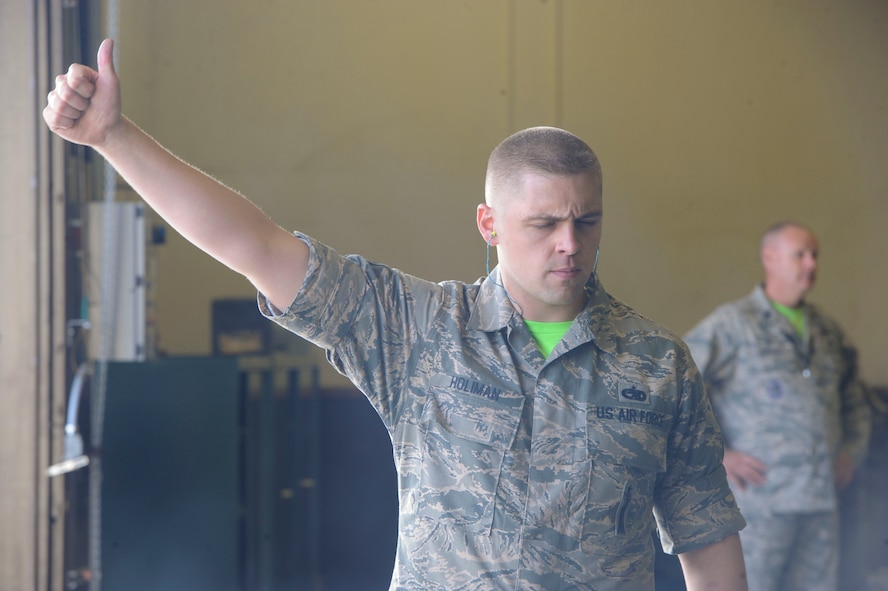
[[844, 470], [753, 475], [73, 92], [56, 121], [79, 80], [66, 103], [70, 97], [843, 479], [744, 470]]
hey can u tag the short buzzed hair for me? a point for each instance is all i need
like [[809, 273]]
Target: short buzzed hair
[[546, 150], [776, 228]]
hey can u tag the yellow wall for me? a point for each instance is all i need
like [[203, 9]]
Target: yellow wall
[[368, 124]]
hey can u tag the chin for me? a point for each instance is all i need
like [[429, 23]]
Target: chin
[[571, 299]]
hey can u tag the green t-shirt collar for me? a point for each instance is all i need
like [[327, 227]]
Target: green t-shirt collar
[[547, 334]]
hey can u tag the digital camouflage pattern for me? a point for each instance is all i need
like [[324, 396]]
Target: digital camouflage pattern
[[792, 551], [515, 471], [793, 403]]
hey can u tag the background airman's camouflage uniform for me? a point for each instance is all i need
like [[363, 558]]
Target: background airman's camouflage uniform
[[514, 471], [793, 403]]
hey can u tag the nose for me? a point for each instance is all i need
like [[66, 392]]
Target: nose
[[811, 261], [568, 240]]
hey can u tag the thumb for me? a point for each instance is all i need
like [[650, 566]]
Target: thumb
[[105, 58]]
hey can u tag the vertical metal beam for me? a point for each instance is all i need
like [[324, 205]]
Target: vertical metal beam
[[18, 262], [31, 334], [267, 439], [53, 296], [315, 477]]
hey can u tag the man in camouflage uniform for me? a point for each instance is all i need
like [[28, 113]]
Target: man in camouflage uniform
[[783, 380], [518, 468]]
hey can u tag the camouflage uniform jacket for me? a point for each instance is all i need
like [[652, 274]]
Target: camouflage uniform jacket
[[789, 401], [515, 471]]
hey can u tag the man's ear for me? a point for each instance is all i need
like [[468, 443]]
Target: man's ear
[[485, 223], [767, 256]]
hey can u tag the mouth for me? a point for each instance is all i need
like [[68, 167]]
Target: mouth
[[566, 273]]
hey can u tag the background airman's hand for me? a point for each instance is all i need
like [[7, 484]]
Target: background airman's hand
[[743, 469], [844, 470]]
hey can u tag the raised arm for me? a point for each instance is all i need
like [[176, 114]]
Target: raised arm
[[84, 108]]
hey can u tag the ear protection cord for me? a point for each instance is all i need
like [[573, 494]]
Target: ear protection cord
[[487, 268]]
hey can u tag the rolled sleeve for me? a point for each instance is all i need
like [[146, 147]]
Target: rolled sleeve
[[695, 506]]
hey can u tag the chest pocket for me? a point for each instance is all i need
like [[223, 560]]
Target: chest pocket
[[626, 461], [463, 450], [560, 467]]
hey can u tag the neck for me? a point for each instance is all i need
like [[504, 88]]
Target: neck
[[790, 300], [552, 314]]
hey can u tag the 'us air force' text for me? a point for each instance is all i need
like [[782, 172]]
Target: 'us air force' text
[[630, 415]]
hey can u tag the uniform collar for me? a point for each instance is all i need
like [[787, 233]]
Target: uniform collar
[[776, 323], [763, 302], [493, 311]]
